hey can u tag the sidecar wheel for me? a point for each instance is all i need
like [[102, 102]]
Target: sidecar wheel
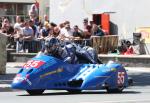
[[35, 92], [115, 90], [71, 91]]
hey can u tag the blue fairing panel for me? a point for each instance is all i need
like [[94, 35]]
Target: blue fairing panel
[[47, 72]]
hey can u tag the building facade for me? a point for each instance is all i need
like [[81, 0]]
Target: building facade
[[125, 15], [11, 8], [43, 8]]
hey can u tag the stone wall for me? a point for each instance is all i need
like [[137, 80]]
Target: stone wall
[[3, 53]]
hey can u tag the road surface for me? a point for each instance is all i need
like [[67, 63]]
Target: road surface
[[139, 93]]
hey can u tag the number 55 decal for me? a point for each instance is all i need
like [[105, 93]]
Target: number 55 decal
[[33, 64], [121, 77]]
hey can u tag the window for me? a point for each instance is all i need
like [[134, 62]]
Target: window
[[22, 9], [10, 10]]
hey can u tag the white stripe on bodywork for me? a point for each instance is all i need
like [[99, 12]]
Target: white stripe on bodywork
[[86, 72]]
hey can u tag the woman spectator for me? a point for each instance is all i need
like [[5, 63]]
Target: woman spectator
[[44, 33]]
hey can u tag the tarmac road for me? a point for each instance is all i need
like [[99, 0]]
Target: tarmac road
[[139, 93]]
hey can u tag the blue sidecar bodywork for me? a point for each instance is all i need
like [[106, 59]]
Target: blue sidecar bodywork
[[49, 73]]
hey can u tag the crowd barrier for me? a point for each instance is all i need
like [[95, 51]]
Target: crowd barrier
[[105, 44], [102, 44]]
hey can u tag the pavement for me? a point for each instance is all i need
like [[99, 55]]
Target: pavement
[[13, 67]]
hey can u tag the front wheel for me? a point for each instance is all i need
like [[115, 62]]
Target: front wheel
[[35, 92]]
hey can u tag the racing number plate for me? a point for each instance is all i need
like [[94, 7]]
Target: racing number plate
[[121, 78], [33, 64]]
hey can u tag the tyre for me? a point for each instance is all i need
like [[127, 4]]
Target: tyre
[[74, 91], [35, 92], [115, 90]]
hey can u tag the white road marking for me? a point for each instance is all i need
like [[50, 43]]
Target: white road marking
[[123, 101], [5, 85], [138, 69]]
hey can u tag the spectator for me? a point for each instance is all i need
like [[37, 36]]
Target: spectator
[[35, 29], [18, 39], [9, 32], [22, 23], [66, 22], [44, 33], [39, 27], [56, 32], [52, 25], [27, 36], [33, 12], [96, 31], [51, 33], [91, 23], [61, 25], [86, 29], [35, 41], [129, 50], [77, 33], [67, 33], [18, 22], [46, 18]]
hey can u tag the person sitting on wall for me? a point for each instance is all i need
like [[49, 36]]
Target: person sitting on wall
[[129, 48], [126, 47]]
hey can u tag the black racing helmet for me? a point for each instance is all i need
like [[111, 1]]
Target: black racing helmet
[[51, 42]]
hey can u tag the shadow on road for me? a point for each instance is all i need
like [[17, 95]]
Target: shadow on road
[[140, 79], [7, 78], [5, 81], [82, 93]]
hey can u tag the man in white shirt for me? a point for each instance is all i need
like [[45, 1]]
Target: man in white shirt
[[66, 33]]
